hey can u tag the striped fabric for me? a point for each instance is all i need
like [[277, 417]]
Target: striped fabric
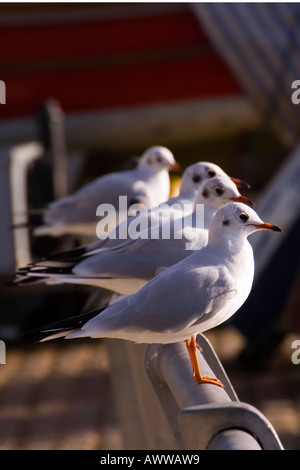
[[261, 44]]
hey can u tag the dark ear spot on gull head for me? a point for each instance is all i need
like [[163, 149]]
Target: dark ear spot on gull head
[[219, 191]]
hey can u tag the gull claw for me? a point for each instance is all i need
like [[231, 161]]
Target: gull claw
[[204, 379]]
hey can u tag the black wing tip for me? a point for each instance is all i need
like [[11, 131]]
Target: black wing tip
[[69, 256], [69, 324]]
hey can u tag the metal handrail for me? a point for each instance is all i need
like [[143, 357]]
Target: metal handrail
[[206, 413], [162, 407]]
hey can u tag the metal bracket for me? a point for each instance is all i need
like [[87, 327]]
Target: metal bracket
[[201, 424]]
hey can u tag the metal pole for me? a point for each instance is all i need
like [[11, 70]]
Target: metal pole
[[52, 128]]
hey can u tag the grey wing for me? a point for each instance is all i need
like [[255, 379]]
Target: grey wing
[[181, 299], [82, 205], [170, 302], [141, 259]]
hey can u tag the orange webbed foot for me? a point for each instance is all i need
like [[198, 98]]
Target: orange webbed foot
[[192, 347], [204, 379]]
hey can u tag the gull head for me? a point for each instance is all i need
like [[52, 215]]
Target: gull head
[[195, 175], [219, 191], [158, 158], [239, 219]]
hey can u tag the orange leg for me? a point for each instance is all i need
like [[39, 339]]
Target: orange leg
[[200, 379]]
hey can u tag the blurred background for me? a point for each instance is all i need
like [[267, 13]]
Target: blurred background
[[88, 88]]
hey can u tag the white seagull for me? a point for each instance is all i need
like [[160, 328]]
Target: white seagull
[[192, 179], [128, 267], [196, 294], [148, 184]]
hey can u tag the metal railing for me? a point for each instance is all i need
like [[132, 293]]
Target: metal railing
[[162, 408]]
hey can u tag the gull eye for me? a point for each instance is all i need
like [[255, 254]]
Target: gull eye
[[196, 179], [219, 191], [211, 173], [158, 159], [244, 217]]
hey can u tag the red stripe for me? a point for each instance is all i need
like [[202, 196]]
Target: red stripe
[[120, 87], [100, 37], [83, 87]]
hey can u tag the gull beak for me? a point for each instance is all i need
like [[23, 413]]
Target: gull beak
[[240, 183], [243, 200], [176, 166], [266, 226]]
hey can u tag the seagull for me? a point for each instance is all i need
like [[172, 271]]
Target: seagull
[[128, 267], [148, 184], [192, 179], [197, 294]]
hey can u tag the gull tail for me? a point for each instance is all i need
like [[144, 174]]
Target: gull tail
[[74, 256], [50, 270], [46, 271], [45, 231], [59, 329], [24, 280]]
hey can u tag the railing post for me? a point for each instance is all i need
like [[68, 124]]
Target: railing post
[[21, 157], [52, 129]]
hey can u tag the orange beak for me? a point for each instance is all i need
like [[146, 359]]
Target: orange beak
[[176, 166], [266, 226], [240, 183], [244, 200]]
